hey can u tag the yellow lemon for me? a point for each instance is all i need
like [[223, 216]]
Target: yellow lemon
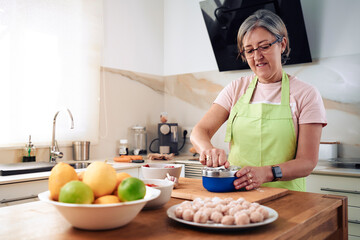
[[107, 199], [101, 177], [60, 174]]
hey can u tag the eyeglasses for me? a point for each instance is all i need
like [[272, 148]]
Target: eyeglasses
[[263, 49]]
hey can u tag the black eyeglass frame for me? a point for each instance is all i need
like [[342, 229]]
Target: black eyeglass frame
[[261, 47]]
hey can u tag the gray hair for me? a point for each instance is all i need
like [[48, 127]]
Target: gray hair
[[271, 22]]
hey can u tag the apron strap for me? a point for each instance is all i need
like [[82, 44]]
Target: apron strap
[[285, 90]]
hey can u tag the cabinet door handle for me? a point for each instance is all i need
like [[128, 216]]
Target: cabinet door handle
[[340, 190], [354, 221], [17, 199]]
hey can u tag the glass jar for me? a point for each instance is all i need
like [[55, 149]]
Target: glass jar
[[140, 142], [123, 149]]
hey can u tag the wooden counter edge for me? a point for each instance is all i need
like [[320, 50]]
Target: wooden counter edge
[[343, 212]]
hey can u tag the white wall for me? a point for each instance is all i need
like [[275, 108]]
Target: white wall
[[134, 35], [187, 47], [332, 27]]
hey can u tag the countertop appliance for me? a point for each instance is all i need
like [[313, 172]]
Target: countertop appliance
[[169, 136], [219, 179]]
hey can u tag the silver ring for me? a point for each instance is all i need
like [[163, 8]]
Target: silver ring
[[249, 175], [250, 180]]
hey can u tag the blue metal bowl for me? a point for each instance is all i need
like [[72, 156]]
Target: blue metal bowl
[[216, 184]]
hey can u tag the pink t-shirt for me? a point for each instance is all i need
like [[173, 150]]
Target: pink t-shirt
[[305, 101]]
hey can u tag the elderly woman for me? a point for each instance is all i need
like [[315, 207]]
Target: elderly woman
[[274, 121]]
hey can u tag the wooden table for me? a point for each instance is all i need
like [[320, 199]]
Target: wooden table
[[301, 216]]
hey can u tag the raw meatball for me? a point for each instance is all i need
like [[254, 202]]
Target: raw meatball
[[228, 200], [218, 207], [263, 211], [210, 204], [246, 204], [228, 220], [216, 216], [206, 210], [252, 208], [242, 219], [235, 209], [186, 204], [225, 209], [255, 204], [201, 217], [216, 199], [179, 211], [188, 214], [256, 217], [198, 200], [240, 200]]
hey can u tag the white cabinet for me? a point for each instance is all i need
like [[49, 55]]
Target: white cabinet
[[21, 192], [340, 185]]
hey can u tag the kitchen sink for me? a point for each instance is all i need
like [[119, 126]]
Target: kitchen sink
[[33, 167], [80, 165]]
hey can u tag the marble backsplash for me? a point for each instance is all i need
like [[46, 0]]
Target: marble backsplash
[[186, 97], [129, 98]]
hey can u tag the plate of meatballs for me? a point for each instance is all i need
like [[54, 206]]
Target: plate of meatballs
[[222, 213]]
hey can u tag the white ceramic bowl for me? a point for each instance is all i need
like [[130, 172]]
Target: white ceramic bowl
[[159, 170], [165, 187], [101, 216]]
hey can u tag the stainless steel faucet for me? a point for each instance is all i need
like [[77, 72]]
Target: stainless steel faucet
[[54, 149]]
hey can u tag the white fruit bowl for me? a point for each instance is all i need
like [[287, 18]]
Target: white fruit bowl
[[159, 170], [101, 216], [165, 187]]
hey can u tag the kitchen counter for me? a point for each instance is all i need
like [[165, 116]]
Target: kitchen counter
[[323, 168], [301, 216]]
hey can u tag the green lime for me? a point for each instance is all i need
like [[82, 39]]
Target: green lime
[[76, 192], [131, 189]]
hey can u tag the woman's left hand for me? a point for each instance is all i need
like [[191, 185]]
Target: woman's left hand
[[251, 177]]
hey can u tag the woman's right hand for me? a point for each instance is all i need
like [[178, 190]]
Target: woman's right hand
[[214, 157]]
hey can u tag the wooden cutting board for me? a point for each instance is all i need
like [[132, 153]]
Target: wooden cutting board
[[190, 189]]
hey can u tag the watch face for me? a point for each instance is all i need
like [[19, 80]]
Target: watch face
[[276, 172]]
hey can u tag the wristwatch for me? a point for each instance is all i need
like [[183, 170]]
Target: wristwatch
[[276, 170]]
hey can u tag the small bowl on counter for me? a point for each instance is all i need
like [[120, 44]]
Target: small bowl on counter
[[165, 186], [101, 216], [160, 170]]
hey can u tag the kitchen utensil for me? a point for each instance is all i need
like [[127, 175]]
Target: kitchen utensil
[[81, 150], [219, 179], [190, 188]]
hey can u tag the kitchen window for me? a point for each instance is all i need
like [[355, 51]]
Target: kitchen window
[[50, 56]]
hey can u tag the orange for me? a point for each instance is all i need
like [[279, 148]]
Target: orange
[[131, 189], [119, 177], [81, 175], [60, 174], [107, 199], [76, 192], [101, 177]]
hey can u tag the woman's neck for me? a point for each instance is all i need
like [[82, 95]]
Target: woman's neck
[[273, 79]]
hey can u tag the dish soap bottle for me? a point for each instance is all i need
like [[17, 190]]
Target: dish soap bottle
[[29, 152]]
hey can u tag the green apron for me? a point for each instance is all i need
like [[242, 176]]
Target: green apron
[[263, 134]]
